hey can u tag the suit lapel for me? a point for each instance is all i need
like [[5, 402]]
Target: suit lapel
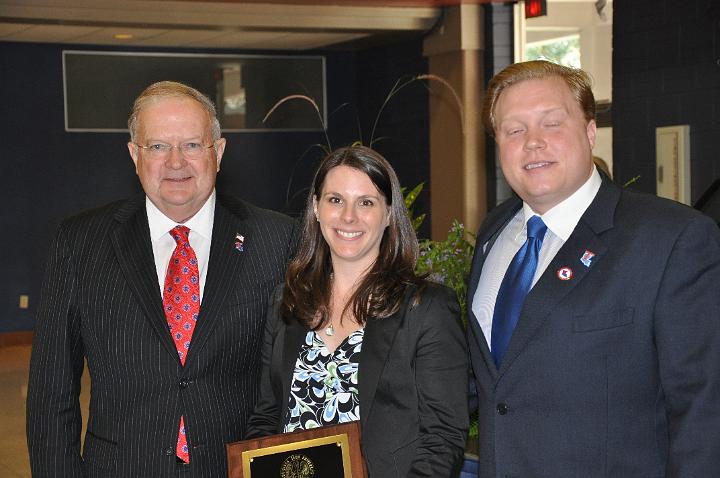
[[225, 266], [476, 335], [294, 337], [131, 241], [378, 338], [550, 289]]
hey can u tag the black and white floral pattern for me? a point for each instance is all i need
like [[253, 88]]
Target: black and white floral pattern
[[324, 388]]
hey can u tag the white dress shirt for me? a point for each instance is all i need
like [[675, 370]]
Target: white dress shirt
[[163, 244], [560, 221]]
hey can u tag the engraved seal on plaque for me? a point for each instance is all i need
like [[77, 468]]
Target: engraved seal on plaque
[[297, 466]]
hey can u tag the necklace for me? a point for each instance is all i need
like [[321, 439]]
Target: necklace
[[329, 330]]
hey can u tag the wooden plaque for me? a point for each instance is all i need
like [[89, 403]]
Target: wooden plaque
[[327, 452]]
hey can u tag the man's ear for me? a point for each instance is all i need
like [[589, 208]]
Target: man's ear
[[134, 151], [219, 151], [591, 131]]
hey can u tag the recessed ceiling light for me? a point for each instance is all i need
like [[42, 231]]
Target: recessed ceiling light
[[122, 36]]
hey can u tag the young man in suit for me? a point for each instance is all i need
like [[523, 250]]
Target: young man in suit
[[164, 295], [595, 311]]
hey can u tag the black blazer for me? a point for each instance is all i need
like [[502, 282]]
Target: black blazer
[[616, 371], [412, 383], [101, 302]]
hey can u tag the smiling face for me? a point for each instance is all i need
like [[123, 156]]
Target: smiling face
[[544, 140], [178, 186], [353, 216]]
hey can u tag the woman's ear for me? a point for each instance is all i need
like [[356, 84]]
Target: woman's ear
[[315, 204]]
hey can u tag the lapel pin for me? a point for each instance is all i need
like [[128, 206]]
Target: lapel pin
[[239, 242], [587, 258], [564, 273]]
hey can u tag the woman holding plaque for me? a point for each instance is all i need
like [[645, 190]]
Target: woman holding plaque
[[354, 334]]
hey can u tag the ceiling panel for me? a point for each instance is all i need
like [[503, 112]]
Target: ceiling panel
[[187, 38], [148, 37], [50, 33], [216, 24], [12, 28], [242, 40], [306, 41]]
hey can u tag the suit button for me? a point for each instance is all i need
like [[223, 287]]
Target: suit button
[[183, 383], [502, 408], [169, 451]]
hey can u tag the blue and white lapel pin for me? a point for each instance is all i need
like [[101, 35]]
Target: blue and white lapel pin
[[587, 258], [239, 242]]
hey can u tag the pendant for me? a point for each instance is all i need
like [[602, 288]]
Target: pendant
[[329, 330]]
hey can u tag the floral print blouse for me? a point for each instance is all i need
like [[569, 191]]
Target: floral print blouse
[[324, 389]]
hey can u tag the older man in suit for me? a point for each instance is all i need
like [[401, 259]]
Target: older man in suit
[[595, 311], [164, 295]]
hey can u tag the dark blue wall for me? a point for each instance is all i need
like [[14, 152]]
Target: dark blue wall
[[402, 133], [666, 71], [48, 174]]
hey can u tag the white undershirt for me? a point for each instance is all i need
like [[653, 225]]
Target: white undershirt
[[163, 244], [560, 221]]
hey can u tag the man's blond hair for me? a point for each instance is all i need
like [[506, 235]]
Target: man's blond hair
[[577, 80]]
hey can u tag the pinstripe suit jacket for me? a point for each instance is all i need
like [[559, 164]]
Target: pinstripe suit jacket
[[100, 301]]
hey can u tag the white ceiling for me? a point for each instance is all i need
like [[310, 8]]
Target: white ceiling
[[239, 24]]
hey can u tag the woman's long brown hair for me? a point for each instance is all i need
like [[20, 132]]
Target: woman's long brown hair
[[307, 292]]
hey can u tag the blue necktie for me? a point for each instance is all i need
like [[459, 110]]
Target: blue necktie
[[514, 288]]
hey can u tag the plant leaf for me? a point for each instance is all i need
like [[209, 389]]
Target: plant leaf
[[307, 99]]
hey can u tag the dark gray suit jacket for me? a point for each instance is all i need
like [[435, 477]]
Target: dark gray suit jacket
[[615, 372], [412, 382], [101, 301]]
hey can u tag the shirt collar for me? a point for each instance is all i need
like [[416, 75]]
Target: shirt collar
[[201, 223], [563, 217]]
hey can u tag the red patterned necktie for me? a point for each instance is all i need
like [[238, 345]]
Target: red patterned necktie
[[181, 298]]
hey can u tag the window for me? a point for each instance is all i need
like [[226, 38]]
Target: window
[[563, 50], [100, 87]]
